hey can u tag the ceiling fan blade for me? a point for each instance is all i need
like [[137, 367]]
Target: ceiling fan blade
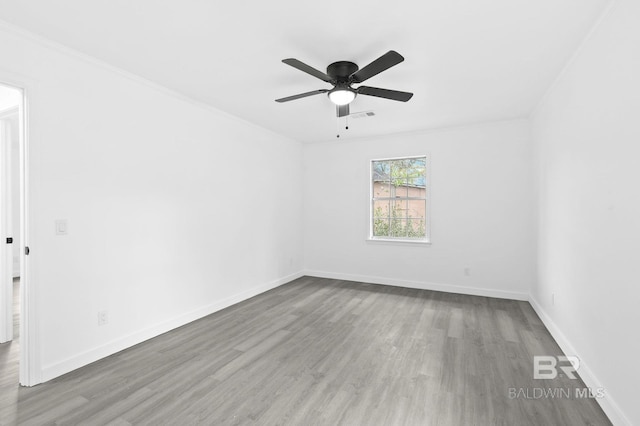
[[342, 110], [384, 93], [301, 95], [384, 62], [308, 69]]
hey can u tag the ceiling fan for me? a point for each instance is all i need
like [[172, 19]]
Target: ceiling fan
[[343, 74]]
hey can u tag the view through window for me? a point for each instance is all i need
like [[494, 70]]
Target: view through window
[[399, 199]]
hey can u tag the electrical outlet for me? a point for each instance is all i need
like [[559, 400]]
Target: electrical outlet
[[553, 299], [103, 318], [467, 271]]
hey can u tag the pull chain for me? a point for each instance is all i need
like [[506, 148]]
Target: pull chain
[[346, 125]]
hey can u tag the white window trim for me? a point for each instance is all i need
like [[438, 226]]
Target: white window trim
[[402, 241], [398, 241]]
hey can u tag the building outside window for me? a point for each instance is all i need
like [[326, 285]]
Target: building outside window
[[399, 195]]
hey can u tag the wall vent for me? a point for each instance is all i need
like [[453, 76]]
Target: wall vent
[[363, 114]]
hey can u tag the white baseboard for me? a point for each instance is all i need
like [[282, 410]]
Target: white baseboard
[[608, 404], [52, 371], [421, 285]]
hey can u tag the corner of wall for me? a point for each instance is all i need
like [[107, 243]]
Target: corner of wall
[[607, 403]]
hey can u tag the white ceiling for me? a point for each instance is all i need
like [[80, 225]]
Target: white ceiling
[[465, 60]]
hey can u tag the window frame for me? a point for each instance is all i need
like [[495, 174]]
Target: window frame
[[427, 200]]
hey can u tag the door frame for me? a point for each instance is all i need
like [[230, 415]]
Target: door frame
[[30, 371], [6, 221]]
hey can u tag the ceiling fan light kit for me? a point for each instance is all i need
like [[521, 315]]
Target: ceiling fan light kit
[[343, 74], [340, 96]]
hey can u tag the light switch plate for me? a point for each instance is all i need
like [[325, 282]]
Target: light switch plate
[[61, 227]]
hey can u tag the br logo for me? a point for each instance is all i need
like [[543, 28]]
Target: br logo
[[546, 367]]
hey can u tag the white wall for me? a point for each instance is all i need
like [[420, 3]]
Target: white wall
[[481, 210], [587, 140], [157, 236]]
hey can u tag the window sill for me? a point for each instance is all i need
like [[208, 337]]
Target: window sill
[[394, 241]]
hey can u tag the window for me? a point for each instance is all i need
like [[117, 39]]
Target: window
[[399, 199]]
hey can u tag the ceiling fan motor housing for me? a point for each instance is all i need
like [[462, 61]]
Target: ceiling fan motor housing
[[341, 71]]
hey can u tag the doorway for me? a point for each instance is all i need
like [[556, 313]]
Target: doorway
[[12, 230]]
